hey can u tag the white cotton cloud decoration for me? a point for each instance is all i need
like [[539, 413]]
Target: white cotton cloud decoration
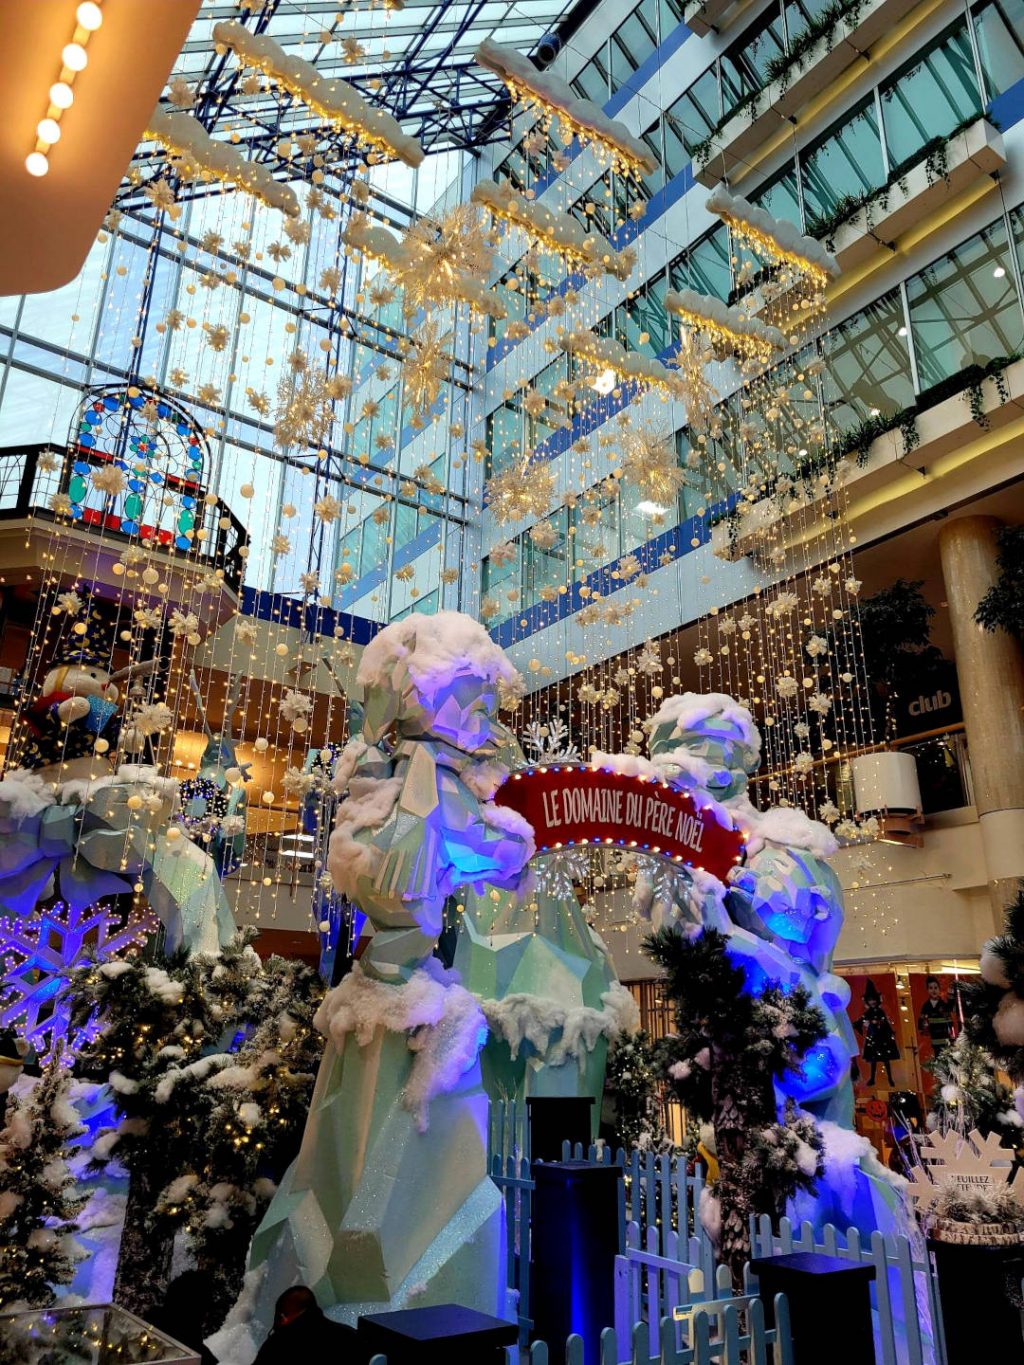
[[720, 319], [587, 119], [559, 232], [336, 100], [185, 137], [788, 240], [629, 365]]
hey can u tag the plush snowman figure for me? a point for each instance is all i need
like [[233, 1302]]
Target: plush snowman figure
[[73, 723]]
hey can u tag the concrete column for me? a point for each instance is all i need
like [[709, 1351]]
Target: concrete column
[[990, 668]]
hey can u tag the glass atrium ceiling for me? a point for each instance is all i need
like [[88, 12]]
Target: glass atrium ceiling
[[417, 62]]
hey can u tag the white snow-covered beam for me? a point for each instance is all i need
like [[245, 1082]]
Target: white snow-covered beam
[[780, 240], [586, 120], [335, 101], [725, 325], [185, 138], [558, 232], [607, 353]]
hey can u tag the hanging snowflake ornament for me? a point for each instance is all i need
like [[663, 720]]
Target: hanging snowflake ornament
[[109, 479], [520, 492], [651, 465], [69, 603], [295, 709], [549, 741], [327, 508], [36, 953]]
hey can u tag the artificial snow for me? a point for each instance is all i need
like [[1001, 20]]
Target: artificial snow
[[25, 794], [335, 100], [346, 764], [443, 1019], [560, 231], [784, 826], [434, 649], [692, 710], [186, 138], [235, 1342], [552, 91], [610, 354], [509, 821], [371, 802], [734, 209], [534, 1019], [629, 765], [695, 308], [161, 985]]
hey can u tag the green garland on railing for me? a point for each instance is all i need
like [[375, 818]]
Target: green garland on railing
[[780, 68], [934, 154]]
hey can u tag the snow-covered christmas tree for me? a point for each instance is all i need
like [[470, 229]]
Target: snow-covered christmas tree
[[730, 1049], [210, 1062], [37, 1200], [257, 1106], [632, 1082], [994, 1003], [969, 1094]]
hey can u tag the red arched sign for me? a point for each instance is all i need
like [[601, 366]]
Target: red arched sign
[[568, 805]]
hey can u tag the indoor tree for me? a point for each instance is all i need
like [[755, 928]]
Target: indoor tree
[[731, 1046], [993, 1002], [38, 1205], [631, 1084], [1002, 607]]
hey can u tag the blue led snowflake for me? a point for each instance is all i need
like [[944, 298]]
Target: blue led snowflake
[[36, 952]]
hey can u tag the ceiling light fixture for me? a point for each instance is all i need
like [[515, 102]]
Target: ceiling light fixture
[[74, 58]]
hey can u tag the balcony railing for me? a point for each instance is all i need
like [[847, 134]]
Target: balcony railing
[[28, 485]]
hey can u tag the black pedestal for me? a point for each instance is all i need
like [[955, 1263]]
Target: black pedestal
[[556, 1119], [443, 1335], [575, 1239], [829, 1306], [979, 1293]]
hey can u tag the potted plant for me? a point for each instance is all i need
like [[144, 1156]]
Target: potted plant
[[975, 1215]]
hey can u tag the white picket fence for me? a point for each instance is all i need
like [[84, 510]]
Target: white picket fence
[[710, 1331], [908, 1323], [661, 1242], [658, 1203]]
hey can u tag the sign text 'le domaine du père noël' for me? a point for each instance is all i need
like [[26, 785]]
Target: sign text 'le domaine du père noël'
[[570, 805]]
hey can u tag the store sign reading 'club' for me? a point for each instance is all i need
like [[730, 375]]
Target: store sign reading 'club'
[[569, 805]]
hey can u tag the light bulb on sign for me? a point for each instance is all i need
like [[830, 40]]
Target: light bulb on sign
[[36, 163], [75, 57], [48, 130], [61, 95], [89, 15]]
